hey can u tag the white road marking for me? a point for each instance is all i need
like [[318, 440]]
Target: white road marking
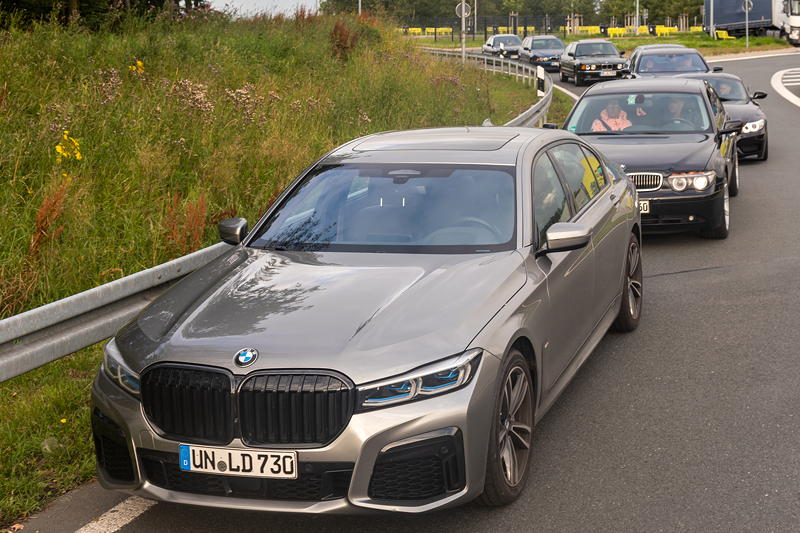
[[567, 92], [118, 516], [783, 91], [752, 57]]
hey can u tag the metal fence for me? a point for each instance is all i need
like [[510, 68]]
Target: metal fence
[[45, 334]]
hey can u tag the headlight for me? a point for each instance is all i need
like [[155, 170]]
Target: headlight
[[441, 377], [114, 369], [752, 127], [699, 180], [593, 67], [619, 66]]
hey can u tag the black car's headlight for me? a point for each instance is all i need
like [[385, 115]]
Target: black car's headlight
[[680, 181], [438, 378], [752, 127], [117, 371]]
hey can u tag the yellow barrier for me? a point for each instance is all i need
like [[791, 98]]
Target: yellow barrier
[[696, 28], [530, 29], [430, 31], [723, 34], [415, 31], [644, 29], [616, 32]]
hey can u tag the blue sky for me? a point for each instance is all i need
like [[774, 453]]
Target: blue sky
[[258, 6]]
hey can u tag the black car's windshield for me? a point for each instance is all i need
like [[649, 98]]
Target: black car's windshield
[[407, 208], [640, 113], [595, 49], [795, 7], [507, 40], [672, 62], [547, 44], [729, 90]]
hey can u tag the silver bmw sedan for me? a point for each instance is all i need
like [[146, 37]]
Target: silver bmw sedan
[[387, 335]]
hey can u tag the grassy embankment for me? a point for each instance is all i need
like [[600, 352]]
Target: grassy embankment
[[705, 44], [123, 149]]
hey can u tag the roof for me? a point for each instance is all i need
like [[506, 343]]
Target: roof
[[465, 145], [660, 50], [711, 75], [545, 35], [593, 41], [660, 85], [665, 45]]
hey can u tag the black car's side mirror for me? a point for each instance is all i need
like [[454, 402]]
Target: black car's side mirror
[[550, 126], [571, 54], [759, 95], [565, 236], [716, 69], [731, 126], [525, 48], [621, 53], [233, 230]]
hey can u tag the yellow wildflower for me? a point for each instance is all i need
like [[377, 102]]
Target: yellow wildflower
[[68, 148], [137, 68], [63, 420]]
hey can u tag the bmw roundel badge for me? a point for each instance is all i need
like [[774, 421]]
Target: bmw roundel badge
[[245, 357]]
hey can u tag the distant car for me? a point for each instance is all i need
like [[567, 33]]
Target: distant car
[[542, 50], [660, 61], [639, 49], [505, 45], [385, 338], [741, 105], [591, 59], [677, 144]]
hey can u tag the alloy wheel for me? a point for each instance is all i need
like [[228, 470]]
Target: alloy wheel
[[516, 426], [634, 280], [726, 205]]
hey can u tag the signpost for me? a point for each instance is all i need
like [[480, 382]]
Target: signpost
[[463, 11], [747, 5]]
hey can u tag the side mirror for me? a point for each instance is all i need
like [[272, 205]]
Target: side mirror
[[550, 126], [759, 95], [233, 230], [716, 69], [571, 54], [525, 48], [621, 53], [731, 126], [565, 236]]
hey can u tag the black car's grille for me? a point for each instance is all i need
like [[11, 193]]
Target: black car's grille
[[317, 482], [111, 449], [294, 408], [422, 470], [646, 181], [189, 404]]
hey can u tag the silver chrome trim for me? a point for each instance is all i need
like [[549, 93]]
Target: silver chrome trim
[[444, 432], [646, 181]]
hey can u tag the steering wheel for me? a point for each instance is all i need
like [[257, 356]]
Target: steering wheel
[[680, 120], [474, 221]]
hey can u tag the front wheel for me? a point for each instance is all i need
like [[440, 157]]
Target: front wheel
[[562, 76], [578, 80], [511, 436], [630, 309], [720, 227]]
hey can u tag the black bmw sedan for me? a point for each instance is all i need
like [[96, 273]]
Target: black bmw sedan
[[741, 105], [677, 144], [542, 50], [591, 59]]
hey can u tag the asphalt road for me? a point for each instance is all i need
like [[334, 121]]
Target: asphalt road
[[691, 423]]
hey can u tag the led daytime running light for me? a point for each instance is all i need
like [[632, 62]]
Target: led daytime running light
[[752, 127], [699, 180], [119, 373]]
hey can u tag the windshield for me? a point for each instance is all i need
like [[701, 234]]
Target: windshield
[[621, 114], [673, 62], [547, 44], [729, 90], [407, 208], [596, 49], [507, 40], [795, 7]]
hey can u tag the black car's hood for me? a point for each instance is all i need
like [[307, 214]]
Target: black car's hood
[[748, 112], [598, 60], [511, 47], [547, 52], [369, 316], [663, 153]]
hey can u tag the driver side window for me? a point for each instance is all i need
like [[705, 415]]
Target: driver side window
[[549, 199]]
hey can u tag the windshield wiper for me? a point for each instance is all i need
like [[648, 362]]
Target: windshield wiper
[[603, 133]]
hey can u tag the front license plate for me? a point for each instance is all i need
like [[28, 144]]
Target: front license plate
[[236, 462], [608, 73], [644, 206]]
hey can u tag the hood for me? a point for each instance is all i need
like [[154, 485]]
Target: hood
[[748, 112], [547, 52], [597, 60], [662, 153], [369, 316]]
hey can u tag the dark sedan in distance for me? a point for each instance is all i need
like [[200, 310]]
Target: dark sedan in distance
[[542, 50], [677, 145], [591, 59], [505, 45], [661, 61], [741, 105]]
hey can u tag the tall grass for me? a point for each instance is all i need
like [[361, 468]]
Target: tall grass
[[122, 149]]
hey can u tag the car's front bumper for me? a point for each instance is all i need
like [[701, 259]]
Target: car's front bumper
[[600, 74], [674, 213], [549, 65], [465, 414], [751, 143]]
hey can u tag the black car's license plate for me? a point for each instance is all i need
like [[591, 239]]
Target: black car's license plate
[[238, 462]]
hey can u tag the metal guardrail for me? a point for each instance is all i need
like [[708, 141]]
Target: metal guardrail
[[536, 115], [50, 332]]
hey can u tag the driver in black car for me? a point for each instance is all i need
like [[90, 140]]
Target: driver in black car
[[676, 112]]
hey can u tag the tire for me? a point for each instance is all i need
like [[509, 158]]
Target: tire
[[630, 309], [507, 469], [764, 149], [561, 75], [733, 181], [719, 228], [578, 80]]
